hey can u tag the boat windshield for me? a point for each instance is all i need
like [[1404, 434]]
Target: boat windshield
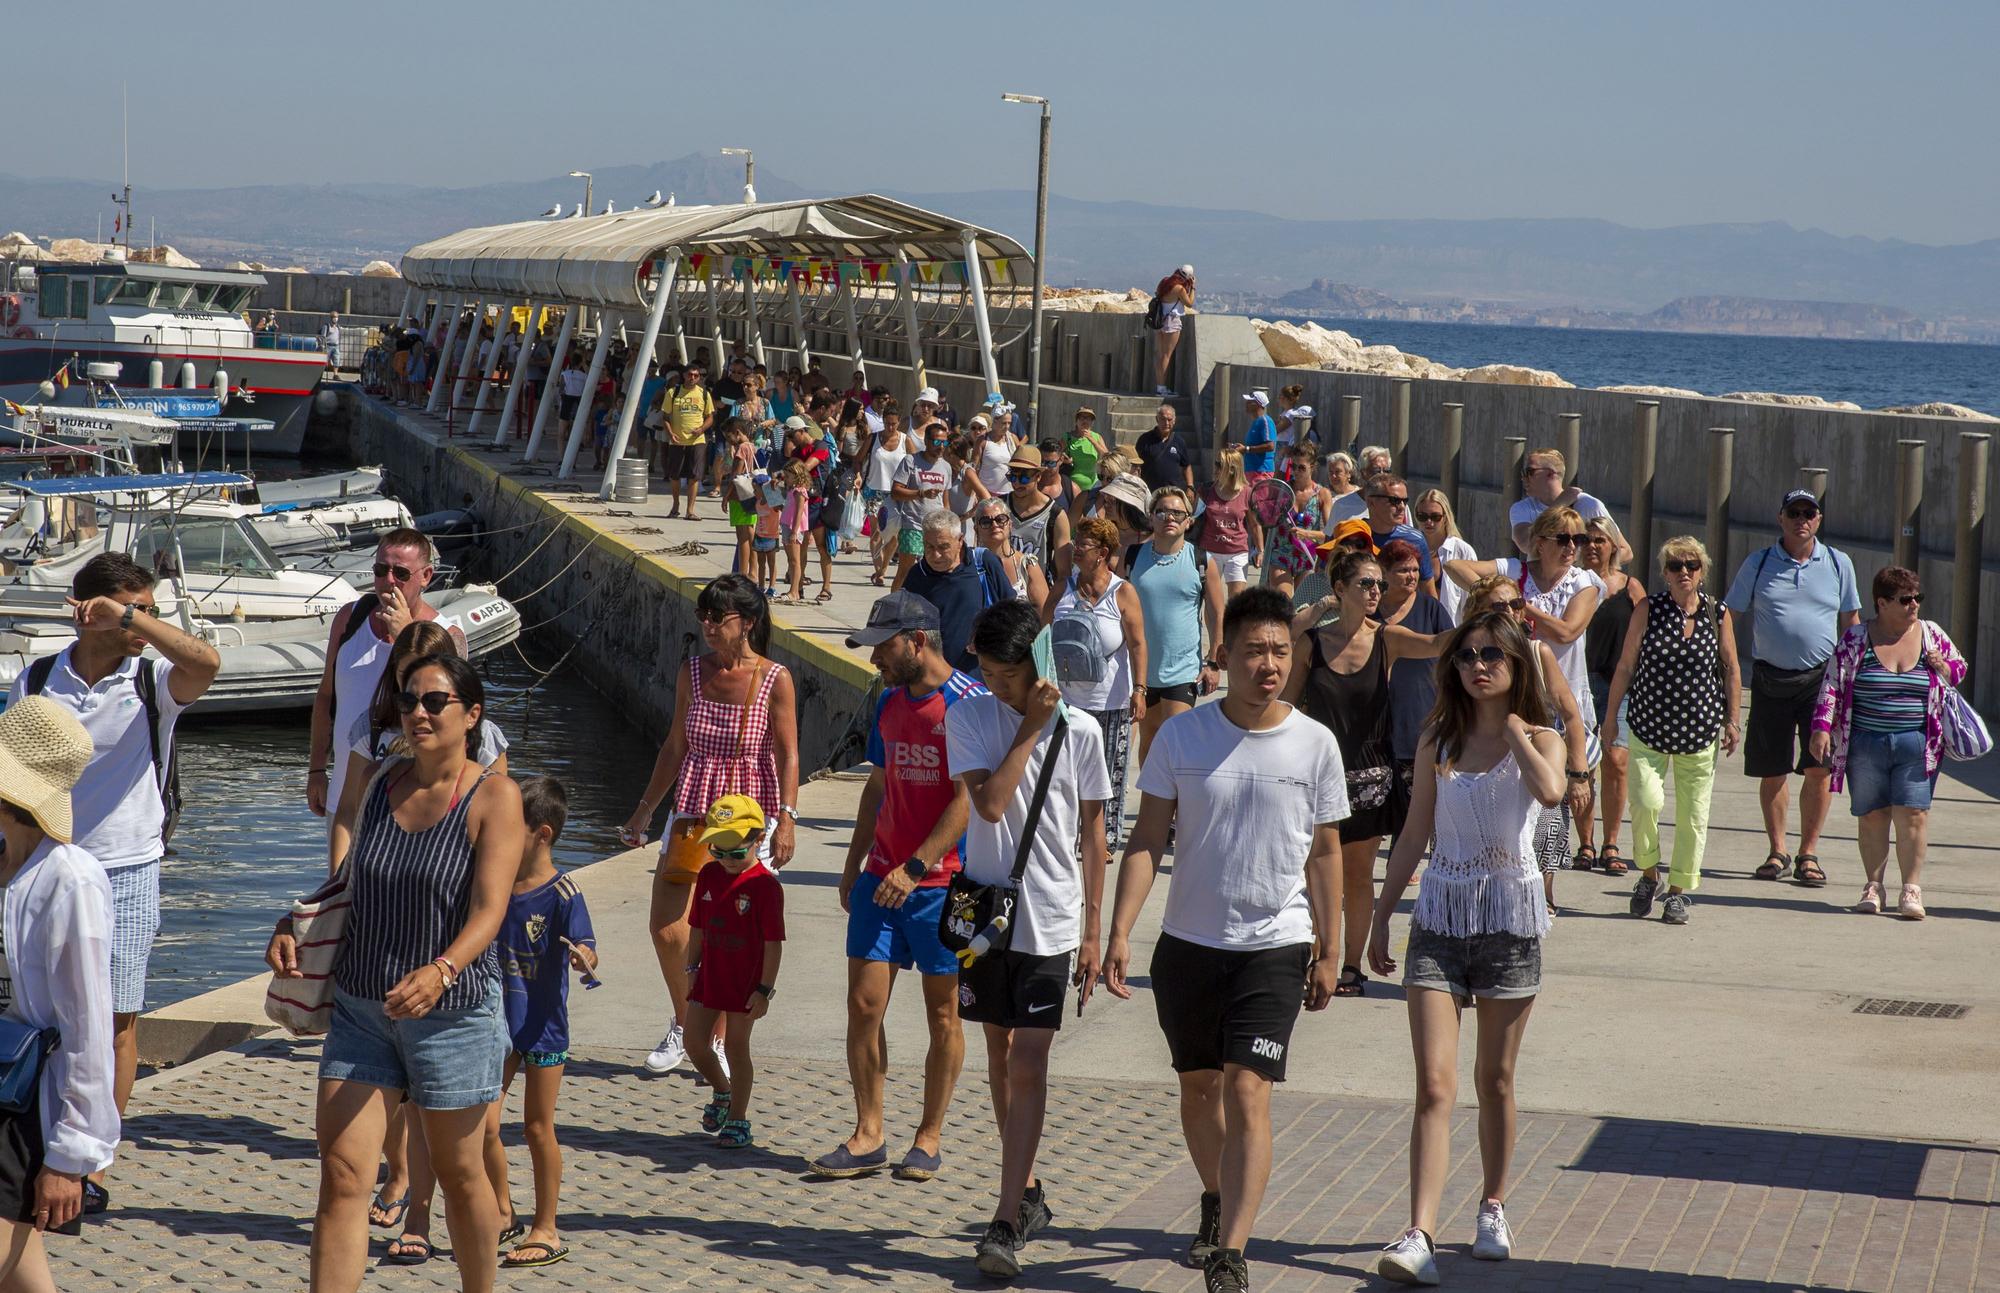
[[209, 545]]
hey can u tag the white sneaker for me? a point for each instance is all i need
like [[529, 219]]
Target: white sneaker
[[670, 1054], [1409, 1260], [1495, 1242]]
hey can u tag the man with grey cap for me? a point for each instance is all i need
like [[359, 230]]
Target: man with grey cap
[[1799, 595], [900, 861]]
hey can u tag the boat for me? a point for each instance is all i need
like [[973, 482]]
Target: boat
[[315, 489], [182, 329], [146, 437]]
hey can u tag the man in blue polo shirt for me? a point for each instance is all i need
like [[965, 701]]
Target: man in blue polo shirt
[[1799, 595], [1388, 498]]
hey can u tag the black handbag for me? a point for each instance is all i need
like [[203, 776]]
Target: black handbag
[[979, 918]]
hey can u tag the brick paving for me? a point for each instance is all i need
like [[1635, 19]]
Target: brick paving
[[216, 1186]]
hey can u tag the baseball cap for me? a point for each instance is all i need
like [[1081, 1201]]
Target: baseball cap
[[1026, 457], [797, 423], [1798, 496], [1188, 270], [1259, 398], [928, 395], [979, 420], [899, 612], [732, 816]]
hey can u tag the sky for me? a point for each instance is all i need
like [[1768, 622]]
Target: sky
[[1857, 118]]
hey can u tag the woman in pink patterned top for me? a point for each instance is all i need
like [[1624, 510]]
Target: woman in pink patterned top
[[734, 732]]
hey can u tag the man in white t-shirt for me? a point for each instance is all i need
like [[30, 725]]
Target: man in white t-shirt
[[998, 745], [1542, 488], [1256, 791], [128, 704]]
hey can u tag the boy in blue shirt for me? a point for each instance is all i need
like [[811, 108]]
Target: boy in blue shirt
[[545, 932]]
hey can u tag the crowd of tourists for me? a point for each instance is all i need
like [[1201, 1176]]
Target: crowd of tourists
[[1298, 661]]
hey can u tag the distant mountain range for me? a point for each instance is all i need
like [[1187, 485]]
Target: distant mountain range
[[1537, 265]]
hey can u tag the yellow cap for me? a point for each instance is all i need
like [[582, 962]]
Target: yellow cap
[[733, 815]]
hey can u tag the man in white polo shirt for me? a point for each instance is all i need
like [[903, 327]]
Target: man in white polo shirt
[[1542, 488], [128, 705]]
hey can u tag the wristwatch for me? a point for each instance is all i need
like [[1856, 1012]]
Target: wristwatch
[[770, 993], [915, 869], [125, 620], [1574, 775]]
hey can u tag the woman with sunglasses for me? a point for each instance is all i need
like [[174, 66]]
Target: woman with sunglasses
[[1680, 672], [1880, 727], [734, 732], [1345, 687], [1225, 520], [993, 530], [1604, 647], [1180, 600], [1098, 595], [417, 997], [1489, 767], [1433, 517]]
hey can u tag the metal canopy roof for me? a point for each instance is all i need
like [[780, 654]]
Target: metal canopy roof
[[597, 260]]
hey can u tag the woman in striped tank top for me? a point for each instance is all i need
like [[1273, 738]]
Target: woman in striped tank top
[[417, 1000], [734, 732]]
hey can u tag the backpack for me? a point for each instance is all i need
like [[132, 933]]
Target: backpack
[[1156, 313], [993, 583], [167, 772]]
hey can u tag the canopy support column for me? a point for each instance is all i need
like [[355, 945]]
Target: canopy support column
[[856, 362], [756, 324], [513, 400], [403, 311], [715, 356], [488, 369], [439, 382], [471, 353], [638, 362], [975, 284], [580, 427], [906, 275], [799, 343], [552, 383]]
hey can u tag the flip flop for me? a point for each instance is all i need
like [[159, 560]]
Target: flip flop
[[550, 1255], [514, 1229], [407, 1257], [400, 1207]]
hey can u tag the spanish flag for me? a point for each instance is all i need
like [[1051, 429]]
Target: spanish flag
[[62, 377], [13, 408]]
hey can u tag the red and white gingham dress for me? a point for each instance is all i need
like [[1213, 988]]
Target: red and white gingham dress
[[729, 751]]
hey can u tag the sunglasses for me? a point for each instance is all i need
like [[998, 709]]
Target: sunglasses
[[1468, 657], [1566, 540], [1910, 599], [1682, 567], [1370, 584], [1393, 500], [402, 573], [1801, 513], [1022, 477], [1517, 606], [146, 608], [434, 702], [1430, 518], [715, 617], [1170, 514], [732, 855], [990, 521]]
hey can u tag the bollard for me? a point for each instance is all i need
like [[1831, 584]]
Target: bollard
[[1970, 545], [1511, 460], [1453, 449], [1399, 423], [1350, 423], [1569, 443], [1814, 479], [1645, 460], [1905, 550], [1721, 477]]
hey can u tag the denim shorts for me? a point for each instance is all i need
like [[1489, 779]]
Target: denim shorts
[[1886, 770], [1495, 966], [905, 936], [449, 1059]]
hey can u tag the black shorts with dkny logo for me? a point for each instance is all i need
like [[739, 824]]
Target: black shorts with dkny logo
[[1226, 1006]]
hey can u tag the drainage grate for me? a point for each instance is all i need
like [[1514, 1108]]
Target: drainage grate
[[1912, 1009]]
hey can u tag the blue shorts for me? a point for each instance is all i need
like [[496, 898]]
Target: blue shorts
[[449, 1059], [1886, 770], [906, 936]]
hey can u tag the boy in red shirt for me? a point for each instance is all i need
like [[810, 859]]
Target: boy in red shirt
[[737, 935]]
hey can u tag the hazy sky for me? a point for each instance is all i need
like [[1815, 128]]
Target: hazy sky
[[1858, 118]]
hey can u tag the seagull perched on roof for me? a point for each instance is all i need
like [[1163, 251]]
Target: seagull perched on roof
[[579, 211], [655, 200], [552, 212]]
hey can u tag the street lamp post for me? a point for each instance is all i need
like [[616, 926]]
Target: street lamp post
[[1041, 242], [749, 172], [585, 177]]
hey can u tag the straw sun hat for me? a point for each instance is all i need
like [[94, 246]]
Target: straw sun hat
[[43, 750]]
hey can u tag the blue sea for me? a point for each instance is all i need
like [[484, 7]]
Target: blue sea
[[1873, 374]]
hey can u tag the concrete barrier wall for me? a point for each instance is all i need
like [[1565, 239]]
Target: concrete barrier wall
[[320, 293], [1773, 444], [627, 614]]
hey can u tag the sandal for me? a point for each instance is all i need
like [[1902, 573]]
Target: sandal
[[1912, 906], [735, 1134], [1352, 982], [416, 1250], [399, 1206], [1585, 858], [1806, 871], [715, 1113], [1613, 864], [1871, 899], [550, 1255], [825, 595], [1774, 866]]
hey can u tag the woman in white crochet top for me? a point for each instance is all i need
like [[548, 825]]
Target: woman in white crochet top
[[1488, 766]]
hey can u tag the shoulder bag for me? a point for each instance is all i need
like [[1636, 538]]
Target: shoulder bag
[[979, 918], [23, 1050], [1964, 732]]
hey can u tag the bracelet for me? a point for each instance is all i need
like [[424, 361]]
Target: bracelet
[[446, 971], [316, 772]]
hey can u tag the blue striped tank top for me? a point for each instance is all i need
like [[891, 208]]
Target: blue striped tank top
[[411, 892], [1886, 701]]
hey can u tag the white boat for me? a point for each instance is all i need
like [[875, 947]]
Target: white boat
[[148, 435], [314, 529], [333, 486], [170, 331]]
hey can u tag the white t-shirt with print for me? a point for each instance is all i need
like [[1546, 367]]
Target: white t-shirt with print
[[1247, 804], [978, 731]]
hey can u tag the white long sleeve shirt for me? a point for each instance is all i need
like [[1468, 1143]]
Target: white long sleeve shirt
[[58, 953]]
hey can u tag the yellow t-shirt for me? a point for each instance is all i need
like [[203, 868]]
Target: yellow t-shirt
[[687, 408]]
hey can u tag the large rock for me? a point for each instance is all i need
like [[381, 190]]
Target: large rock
[[1513, 375], [19, 246], [78, 250], [1790, 401], [165, 255], [1939, 409], [1308, 345], [380, 269]]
